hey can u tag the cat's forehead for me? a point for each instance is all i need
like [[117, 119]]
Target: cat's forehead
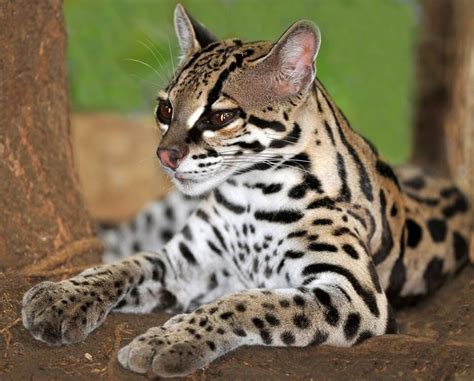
[[201, 73], [201, 68]]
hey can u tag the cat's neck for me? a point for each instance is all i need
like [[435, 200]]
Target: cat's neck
[[339, 155]]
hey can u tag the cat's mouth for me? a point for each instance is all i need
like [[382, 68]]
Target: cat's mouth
[[194, 183], [183, 177]]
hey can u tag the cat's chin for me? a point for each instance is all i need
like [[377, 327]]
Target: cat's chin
[[194, 188]]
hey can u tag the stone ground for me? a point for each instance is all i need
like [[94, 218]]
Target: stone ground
[[437, 340]]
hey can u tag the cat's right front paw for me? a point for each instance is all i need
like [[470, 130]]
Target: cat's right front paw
[[62, 312]]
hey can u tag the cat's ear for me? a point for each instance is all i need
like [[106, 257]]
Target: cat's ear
[[291, 61], [191, 34]]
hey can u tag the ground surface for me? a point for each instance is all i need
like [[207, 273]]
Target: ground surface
[[437, 344], [437, 340]]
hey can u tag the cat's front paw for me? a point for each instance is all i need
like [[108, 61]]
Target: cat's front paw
[[173, 350], [62, 312]]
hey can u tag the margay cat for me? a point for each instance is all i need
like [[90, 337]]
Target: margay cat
[[303, 232]]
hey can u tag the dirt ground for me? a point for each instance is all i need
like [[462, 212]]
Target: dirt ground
[[437, 340], [437, 344]]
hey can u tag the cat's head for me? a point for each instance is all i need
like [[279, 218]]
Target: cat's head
[[229, 104]]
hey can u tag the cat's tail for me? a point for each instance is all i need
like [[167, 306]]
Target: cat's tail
[[436, 236]]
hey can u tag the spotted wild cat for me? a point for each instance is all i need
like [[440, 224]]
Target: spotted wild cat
[[302, 235]]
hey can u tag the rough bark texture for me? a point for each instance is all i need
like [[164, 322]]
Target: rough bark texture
[[444, 110], [43, 220]]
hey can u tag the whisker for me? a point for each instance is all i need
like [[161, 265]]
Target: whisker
[[137, 77], [146, 65], [162, 57], [240, 169], [283, 139], [147, 160], [171, 54], [280, 164], [256, 160], [161, 64], [257, 156]]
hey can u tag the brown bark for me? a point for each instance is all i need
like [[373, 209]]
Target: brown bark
[[444, 110], [444, 113], [43, 219]]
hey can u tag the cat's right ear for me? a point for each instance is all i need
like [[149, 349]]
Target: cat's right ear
[[191, 34], [291, 61]]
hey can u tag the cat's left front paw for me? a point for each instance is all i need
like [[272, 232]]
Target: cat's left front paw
[[171, 351]]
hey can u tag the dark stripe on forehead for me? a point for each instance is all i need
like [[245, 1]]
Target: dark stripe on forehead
[[191, 61], [216, 90]]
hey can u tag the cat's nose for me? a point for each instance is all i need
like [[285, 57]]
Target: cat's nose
[[172, 156]]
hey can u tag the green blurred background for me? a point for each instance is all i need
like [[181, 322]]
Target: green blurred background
[[365, 61]]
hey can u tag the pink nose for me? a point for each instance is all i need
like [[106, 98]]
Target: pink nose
[[171, 157]]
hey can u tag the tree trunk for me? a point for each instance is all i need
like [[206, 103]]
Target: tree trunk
[[444, 114], [43, 221]]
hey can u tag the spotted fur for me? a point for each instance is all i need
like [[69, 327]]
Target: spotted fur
[[303, 233]]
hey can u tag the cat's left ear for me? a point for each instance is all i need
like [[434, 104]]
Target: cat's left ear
[[191, 34], [291, 61]]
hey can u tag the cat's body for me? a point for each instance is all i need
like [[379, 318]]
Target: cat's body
[[302, 235]]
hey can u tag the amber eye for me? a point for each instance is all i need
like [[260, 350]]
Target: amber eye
[[220, 118], [164, 112]]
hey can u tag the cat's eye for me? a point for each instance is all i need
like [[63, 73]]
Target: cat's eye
[[221, 118], [164, 112]]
